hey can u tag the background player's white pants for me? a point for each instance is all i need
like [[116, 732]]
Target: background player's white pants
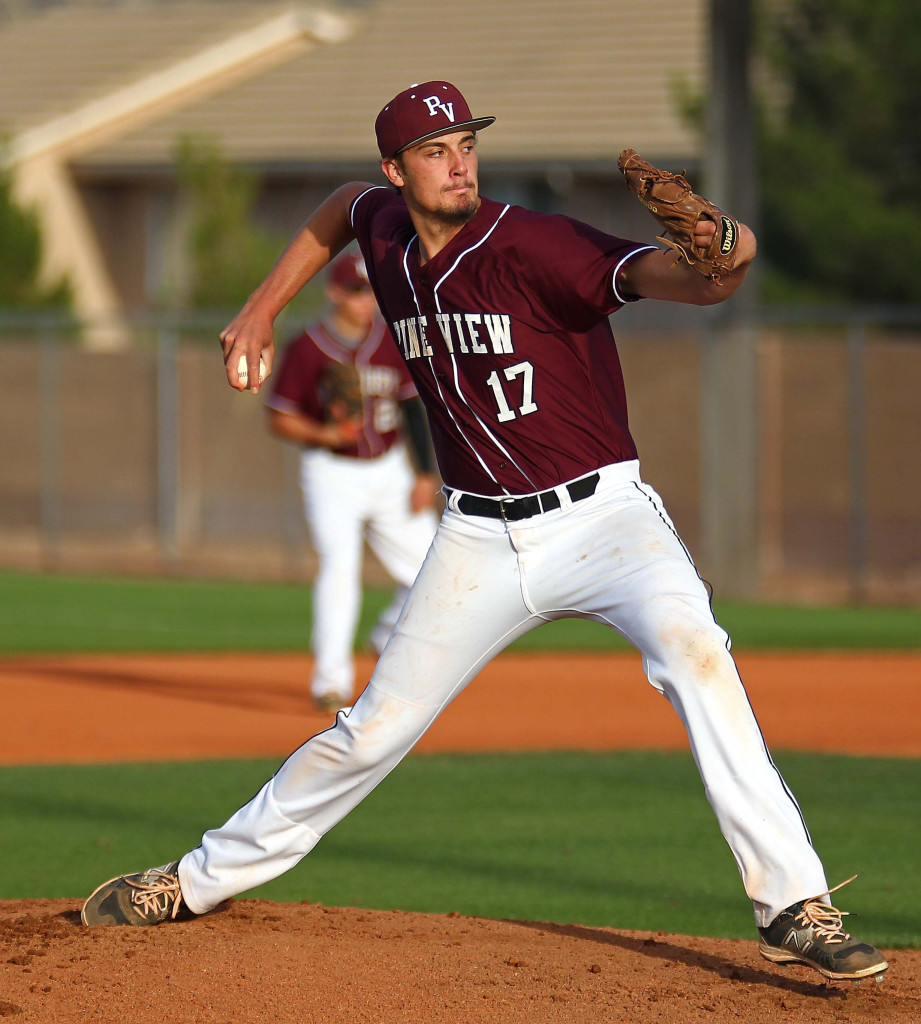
[[613, 557], [346, 500]]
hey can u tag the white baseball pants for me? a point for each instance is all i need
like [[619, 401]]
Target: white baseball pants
[[346, 500], [613, 557]]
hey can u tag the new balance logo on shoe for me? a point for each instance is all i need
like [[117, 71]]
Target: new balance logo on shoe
[[798, 941]]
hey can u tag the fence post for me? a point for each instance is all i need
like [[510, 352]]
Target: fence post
[[770, 359], [729, 459], [858, 513], [49, 440], [167, 446], [729, 393]]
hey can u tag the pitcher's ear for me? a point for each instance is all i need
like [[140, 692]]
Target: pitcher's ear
[[393, 172]]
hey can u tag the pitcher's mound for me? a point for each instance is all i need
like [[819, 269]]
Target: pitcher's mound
[[258, 961]]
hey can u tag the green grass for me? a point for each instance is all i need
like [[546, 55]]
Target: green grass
[[619, 839], [45, 613]]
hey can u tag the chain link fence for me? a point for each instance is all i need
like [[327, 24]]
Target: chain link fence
[[140, 459]]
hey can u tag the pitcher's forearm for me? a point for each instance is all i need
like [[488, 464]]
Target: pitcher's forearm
[[659, 274], [325, 233]]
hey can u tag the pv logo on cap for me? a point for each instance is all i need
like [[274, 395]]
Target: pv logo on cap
[[434, 104]]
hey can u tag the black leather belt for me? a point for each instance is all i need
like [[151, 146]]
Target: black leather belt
[[513, 509]]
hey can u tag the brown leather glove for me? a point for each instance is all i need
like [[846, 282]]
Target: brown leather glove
[[669, 198], [340, 393]]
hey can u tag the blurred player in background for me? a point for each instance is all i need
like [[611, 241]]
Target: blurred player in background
[[356, 476]]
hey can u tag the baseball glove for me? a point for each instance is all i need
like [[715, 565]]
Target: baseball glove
[[669, 198], [340, 392]]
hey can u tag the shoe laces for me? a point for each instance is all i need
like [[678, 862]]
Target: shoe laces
[[157, 894], [825, 919]]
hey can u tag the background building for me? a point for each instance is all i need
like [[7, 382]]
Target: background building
[[291, 89]]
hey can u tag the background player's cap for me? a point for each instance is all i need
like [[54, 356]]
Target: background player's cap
[[422, 112], [349, 272]]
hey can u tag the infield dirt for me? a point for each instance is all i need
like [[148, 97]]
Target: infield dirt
[[257, 961], [255, 705]]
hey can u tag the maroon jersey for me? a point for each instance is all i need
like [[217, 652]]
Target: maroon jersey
[[506, 335], [385, 381]]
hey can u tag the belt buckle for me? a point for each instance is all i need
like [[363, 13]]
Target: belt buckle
[[502, 509]]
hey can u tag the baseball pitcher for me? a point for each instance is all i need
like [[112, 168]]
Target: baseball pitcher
[[502, 317]]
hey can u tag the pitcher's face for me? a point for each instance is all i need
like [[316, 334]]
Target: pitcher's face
[[439, 177]]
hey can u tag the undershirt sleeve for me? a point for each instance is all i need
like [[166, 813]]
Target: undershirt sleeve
[[417, 434]]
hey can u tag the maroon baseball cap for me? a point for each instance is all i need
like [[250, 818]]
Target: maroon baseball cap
[[349, 272], [423, 112]]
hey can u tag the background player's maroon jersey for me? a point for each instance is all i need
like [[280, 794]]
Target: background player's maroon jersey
[[385, 381], [506, 334]]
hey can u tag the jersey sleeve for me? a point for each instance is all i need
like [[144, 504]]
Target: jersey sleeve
[[365, 207], [571, 267], [295, 389]]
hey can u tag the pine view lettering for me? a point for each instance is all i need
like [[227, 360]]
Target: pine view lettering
[[465, 333]]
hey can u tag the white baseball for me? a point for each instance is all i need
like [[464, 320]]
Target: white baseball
[[243, 371]]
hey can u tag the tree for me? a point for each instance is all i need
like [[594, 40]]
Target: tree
[[229, 252], [841, 157], [21, 286]]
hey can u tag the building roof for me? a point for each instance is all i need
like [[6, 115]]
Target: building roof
[[575, 81], [64, 57], [75, 77]]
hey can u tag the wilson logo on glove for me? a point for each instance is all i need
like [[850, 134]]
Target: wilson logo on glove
[[728, 237]]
